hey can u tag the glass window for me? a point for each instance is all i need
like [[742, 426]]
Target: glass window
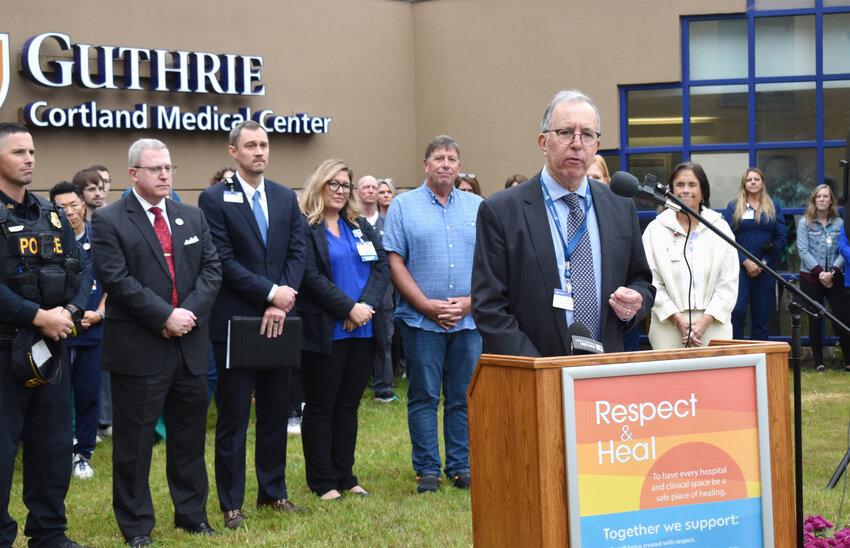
[[833, 173], [612, 160], [762, 5], [785, 46], [659, 164], [836, 43], [786, 112], [790, 174], [655, 117], [718, 49], [719, 114], [724, 170], [835, 3], [836, 109]]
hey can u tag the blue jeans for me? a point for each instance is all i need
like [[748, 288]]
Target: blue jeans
[[435, 361]]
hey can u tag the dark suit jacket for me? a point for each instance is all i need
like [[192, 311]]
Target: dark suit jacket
[[129, 263], [249, 267], [514, 271], [321, 302]]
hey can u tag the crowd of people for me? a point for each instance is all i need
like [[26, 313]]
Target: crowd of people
[[143, 292]]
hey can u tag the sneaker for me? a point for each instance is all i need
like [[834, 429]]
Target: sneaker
[[386, 398], [105, 431], [462, 481], [81, 468], [293, 427], [428, 483]]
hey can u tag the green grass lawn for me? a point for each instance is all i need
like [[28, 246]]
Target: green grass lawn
[[394, 515]]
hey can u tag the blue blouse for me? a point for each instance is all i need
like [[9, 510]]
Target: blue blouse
[[349, 274]]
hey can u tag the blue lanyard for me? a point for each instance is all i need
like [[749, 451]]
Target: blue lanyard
[[568, 249]]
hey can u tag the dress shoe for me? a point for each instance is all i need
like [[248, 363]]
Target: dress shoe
[[68, 543], [201, 528], [141, 540], [282, 505], [233, 519]]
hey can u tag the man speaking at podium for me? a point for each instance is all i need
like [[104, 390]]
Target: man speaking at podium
[[559, 248]]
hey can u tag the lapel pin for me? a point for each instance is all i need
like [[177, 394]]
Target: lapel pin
[[179, 221]]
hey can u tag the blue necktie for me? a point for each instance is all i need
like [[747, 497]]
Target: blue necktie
[[581, 269], [260, 217]]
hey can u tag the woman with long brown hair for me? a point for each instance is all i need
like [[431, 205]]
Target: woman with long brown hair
[[822, 267]]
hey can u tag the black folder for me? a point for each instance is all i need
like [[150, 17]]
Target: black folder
[[247, 349]]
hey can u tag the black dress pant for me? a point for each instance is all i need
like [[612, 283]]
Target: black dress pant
[[270, 389], [137, 402], [40, 420], [333, 386], [838, 302]]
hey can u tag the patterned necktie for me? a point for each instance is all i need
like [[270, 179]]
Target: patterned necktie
[[260, 216], [164, 236], [581, 269]]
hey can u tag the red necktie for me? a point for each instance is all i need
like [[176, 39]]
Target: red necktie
[[164, 236]]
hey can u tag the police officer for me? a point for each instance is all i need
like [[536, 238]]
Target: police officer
[[44, 284]]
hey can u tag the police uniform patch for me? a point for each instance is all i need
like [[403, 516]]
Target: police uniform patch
[[54, 220]]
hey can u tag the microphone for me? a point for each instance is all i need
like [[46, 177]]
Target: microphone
[[581, 342], [625, 184]]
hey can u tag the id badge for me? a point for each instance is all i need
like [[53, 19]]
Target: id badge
[[367, 251], [232, 197], [749, 214], [563, 300]]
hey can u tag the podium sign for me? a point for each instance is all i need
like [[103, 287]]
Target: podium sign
[[669, 453]]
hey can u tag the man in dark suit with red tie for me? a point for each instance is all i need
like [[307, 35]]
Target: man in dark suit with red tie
[[156, 260], [260, 235]]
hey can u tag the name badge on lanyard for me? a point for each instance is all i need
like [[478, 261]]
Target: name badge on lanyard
[[232, 197], [563, 298], [367, 250]]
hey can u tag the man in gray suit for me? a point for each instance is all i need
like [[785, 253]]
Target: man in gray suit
[[559, 248]]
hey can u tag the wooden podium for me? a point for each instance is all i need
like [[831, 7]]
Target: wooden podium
[[517, 451]]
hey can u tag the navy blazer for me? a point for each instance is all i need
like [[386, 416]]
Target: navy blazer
[[515, 271], [249, 267], [321, 302], [130, 265]]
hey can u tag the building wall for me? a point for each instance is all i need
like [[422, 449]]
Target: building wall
[[392, 75]]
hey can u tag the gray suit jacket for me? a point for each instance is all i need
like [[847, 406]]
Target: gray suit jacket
[[514, 271]]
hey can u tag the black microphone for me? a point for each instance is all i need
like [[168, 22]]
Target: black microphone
[[581, 342], [625, 184]]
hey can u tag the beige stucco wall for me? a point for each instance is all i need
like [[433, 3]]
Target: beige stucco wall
[[391, 74]]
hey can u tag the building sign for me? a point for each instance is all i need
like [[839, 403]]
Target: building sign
[[142, 69], [669, 453]]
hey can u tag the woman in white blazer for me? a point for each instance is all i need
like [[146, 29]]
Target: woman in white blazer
[[694, 271]]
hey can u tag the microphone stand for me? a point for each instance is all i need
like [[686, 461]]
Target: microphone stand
[[814, 308]]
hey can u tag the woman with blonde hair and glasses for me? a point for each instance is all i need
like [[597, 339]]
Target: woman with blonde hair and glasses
[[346, 273], [759, 226], [822, 266]]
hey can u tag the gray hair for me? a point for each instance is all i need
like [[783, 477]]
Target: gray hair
[[441, 141], [136, 149], [237, 130], [568, 96]]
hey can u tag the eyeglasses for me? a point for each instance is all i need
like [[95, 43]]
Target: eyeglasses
[[566, 136], [335, 185], [107, 181], [156, 170]]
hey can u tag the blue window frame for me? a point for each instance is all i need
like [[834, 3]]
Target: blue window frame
[[806, 147]]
